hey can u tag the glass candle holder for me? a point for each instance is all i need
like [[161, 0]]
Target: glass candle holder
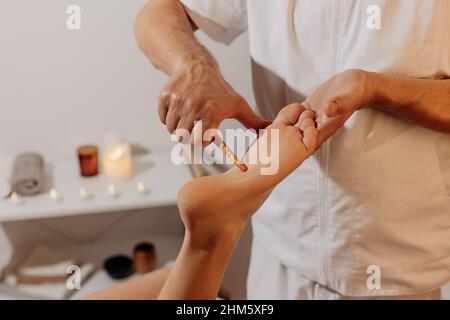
[[117, 162], [88, 158]]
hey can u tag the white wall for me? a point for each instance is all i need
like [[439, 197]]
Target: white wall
[[61, 88]]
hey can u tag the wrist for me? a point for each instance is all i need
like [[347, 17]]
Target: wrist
[[188, 61], [372, 90]]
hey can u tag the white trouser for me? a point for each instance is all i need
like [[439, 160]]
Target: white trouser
[[269, 279]]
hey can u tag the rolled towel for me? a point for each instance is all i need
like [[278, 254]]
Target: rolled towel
[[28, 176]]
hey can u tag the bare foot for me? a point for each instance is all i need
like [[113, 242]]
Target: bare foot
[[216, 205]]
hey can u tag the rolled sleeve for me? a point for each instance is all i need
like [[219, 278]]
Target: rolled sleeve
[[221, 20]]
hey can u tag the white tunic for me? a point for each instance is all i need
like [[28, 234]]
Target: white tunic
[[378, 192]]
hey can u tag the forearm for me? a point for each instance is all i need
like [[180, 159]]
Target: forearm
[[165, 34], [423, 101], [198, 270], [146, 287]]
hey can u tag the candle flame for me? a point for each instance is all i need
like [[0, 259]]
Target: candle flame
[[14, 197], [53, 194], [141, 186], [111, 189], [83, 192], [116, 154]]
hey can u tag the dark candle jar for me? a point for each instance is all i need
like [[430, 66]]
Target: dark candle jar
[[88, 158], [144, 257]]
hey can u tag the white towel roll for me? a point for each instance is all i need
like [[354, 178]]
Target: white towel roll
[[28, 174]]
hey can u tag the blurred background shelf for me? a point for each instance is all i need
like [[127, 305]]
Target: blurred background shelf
[[156, 171], [167, 246], [104, 226]]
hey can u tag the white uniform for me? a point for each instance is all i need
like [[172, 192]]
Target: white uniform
[[378, 192]]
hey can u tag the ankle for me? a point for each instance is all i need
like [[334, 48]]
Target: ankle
[[211, 238]]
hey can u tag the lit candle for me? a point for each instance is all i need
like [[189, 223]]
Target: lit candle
[[141, 188], [117, 164], [112, 191], [84, 194], [16, 199], [88, 159], [54, 195]]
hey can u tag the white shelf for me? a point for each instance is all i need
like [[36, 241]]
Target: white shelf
[[161, 177]]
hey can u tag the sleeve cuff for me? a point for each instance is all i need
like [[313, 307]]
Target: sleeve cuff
[[218, 22]]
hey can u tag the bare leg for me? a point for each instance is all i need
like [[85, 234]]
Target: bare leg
[[146, 287]]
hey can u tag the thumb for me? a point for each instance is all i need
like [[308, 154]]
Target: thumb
[[332, 109], [290, 114]]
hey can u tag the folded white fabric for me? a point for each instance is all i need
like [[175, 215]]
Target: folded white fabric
[[28, 177], [54, 291], [50, 270], [44, 274]]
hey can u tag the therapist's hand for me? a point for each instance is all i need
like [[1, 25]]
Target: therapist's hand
[[336, 99], [197, 91]]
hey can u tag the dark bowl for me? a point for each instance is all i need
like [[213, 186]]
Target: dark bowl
[[119, 267]]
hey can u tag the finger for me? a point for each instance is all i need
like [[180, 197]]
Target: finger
[[305, 124], [184, 137], [329, 128], [197, 134], [332, 109], [185, 127], [203, 133], [248, 117], [174, 113], [186, 123], [172, 120], [307, 105], [209, 132], [308, 114], [253, 121], [163, 106], [310, 139], [290, 114]]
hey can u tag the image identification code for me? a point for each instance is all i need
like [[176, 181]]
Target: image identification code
[[226, 309]]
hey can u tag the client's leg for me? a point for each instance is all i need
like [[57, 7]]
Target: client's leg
[[146, 287]]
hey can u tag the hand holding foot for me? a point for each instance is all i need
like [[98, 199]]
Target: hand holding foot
[[337, 99]]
